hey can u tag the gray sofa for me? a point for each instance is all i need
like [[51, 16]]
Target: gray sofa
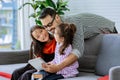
[[96, 60], [101, 54]]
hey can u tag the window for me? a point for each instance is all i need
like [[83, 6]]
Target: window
[[8, 25], [15, 25]]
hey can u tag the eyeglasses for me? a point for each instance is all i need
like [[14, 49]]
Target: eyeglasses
[[50, 23]]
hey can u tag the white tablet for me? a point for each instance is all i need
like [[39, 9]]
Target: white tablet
[[36, 63]]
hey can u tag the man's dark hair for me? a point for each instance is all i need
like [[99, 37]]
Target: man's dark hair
[[47, 11]]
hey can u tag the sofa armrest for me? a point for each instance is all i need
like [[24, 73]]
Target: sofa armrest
[[14, 56], [114, 73]]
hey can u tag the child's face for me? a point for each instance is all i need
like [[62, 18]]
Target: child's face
[[57, 37], [41, 35]]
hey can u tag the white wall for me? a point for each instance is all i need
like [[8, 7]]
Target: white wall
[[106, 8]]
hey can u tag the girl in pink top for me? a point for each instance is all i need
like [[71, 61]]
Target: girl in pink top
[[64, 34]]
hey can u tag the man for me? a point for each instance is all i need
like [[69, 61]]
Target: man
[[50, 19]]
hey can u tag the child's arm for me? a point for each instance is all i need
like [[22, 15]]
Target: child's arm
[[53, 68], [70, 59]]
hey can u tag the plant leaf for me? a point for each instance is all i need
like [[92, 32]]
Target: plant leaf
[[51, 4], [38, 22], [32, 15], [35, 6], [38, 13], [60, 6], [43, 5]]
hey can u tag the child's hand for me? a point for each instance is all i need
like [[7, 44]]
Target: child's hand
[[49, 67], [44, 65]]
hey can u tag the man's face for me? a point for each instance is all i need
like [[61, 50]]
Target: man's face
[[49, 23]]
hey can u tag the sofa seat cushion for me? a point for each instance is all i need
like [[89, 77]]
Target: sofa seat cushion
[[84, 76], [109, 55], [9, 68]]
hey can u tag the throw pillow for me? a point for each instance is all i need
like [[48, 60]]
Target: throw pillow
[[6, 75], [109, 55], [106, 77]]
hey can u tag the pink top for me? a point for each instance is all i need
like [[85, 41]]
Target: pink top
[[70, 71]]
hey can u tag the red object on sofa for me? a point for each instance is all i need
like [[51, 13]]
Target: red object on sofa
[[104, 78], [6, 75]]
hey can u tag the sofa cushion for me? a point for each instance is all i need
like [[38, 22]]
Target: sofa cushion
[[84, 76], [106, 77], [6, 75], [14, 56], [92, 46], [109, 55], [9, 68]]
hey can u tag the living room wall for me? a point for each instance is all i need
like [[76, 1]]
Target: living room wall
[[106, 8]]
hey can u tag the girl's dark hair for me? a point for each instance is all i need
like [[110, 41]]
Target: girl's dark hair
[[36, 47], [47, 11], [67, 31]]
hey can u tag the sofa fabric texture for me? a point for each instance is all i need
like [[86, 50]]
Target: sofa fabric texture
[[91, 49], [109, 54], [87, 72], [14, 56]]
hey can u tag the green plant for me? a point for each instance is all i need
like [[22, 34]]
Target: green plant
[[60, 6]]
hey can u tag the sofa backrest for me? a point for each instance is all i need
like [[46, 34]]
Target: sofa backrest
[[101, 52], [14, 56], [91, 49], [109, 54]]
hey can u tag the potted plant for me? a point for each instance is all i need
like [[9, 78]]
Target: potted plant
[[60, 6]]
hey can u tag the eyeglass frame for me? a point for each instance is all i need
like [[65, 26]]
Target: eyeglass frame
[[50, 23]]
